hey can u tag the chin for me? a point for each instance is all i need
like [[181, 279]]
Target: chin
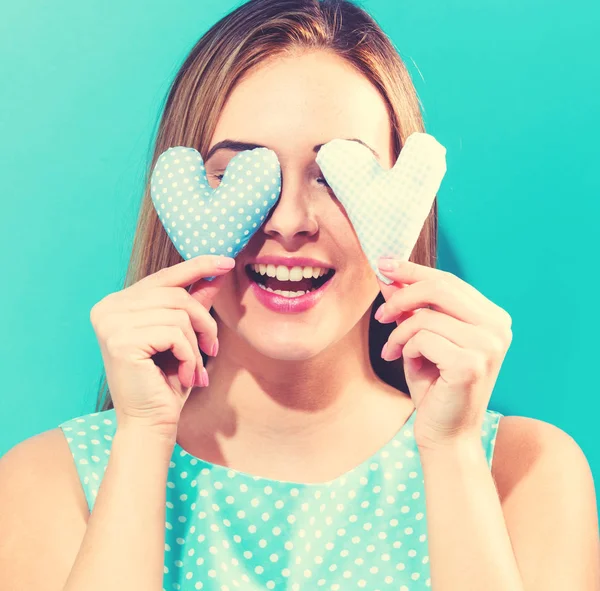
[[298, 344]]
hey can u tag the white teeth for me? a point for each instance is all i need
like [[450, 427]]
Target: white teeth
[[283, 273], [287, 294], [296, 274]]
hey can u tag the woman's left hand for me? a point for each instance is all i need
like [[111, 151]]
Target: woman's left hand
[[453, 342]]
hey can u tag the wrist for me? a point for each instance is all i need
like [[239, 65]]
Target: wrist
[[463, 447], [153, 435]]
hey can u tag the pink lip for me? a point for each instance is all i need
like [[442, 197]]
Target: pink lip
[[279, 303]]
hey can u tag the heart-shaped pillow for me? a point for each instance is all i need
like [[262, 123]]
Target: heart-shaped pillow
[[202, 220], [386, 207]]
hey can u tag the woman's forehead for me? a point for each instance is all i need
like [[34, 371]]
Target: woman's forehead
[[297, 102]]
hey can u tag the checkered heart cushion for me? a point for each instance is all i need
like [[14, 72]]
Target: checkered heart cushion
[[387, 208]]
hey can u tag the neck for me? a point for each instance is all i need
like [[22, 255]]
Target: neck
[[294, 406]]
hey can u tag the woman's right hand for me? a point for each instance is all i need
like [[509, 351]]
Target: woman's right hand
[[157, 317]]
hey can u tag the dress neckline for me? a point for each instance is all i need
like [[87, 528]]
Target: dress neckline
[[197, 465]]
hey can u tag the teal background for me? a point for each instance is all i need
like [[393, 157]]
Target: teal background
[[509, 87]]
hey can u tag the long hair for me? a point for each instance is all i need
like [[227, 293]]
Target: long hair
[[252, 33]]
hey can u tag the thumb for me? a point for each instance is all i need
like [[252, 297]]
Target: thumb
[[205, 291]]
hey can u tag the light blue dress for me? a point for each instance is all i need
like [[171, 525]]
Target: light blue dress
[[228, 530]]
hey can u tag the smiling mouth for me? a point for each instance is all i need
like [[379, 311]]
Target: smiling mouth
[[282, 283]]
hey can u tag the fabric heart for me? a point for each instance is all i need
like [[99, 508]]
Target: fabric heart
[[202, 220], [387, 208]]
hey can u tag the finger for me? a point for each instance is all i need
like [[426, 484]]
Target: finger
[[185, 273], [173, 298], [408, 272], [389, 290], [153, 339], [461, 334], [455, 364], [438, 294], [187, 370], [184, 351], [434, 348], [205, 292], [171, 317]]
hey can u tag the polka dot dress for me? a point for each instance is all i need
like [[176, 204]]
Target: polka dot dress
[[228, 530]]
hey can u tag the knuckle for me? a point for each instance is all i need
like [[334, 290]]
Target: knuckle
[[97, 310], [496, 346], [94, 315], [408, 271], [475, 364], [394, 304], [113, 344], [98, 319], [505, 326], [440, 285], [209, 324], [183, 317], [181, 297], [425, 315], [158, 274]]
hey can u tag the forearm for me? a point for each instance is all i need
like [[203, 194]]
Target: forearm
[[469, 545], [123, 547]]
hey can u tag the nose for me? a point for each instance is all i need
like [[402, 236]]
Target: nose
[[293, 217]]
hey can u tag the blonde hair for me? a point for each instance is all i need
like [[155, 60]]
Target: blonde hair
[[252, 33]]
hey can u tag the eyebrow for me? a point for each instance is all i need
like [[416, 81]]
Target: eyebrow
[[238, 146]]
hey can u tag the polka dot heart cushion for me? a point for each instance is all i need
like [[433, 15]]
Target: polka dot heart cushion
[[201, 220], [387, 208]]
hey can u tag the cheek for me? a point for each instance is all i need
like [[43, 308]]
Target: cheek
[[347, 240], [357, 271], [226, 302]]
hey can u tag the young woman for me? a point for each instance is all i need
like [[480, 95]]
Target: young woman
[[247, 444]]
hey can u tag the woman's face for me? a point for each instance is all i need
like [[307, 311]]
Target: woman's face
[[290, 106]]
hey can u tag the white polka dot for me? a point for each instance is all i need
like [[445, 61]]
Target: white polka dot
[[366, 529]]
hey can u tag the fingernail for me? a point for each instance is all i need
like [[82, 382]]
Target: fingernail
[[203, 378], [379, 313], [215, 348], [197, 377], [386, 264], [384, 351], [225, 263]]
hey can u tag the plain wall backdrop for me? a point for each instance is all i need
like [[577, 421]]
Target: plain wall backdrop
[[510, 87]]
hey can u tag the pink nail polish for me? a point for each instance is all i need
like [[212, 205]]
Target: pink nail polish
[[379, 314], [203, 382], [215, 348], [384, 351], [386, 265], [225, 263]]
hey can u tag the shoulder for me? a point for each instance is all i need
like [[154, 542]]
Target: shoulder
[[42, 462], [524, 445], [43, 511], [549, 504]]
